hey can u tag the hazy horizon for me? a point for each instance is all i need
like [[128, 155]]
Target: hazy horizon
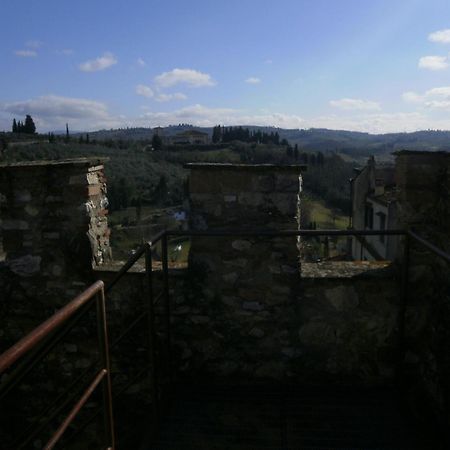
[[377, 67]]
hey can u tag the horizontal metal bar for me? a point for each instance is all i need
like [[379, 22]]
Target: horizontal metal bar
[[34, 337], [75, 410], [53, 410], [39, 352], [437, 251], [285, 233]]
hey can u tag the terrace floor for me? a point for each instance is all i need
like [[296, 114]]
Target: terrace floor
[[250, 418]]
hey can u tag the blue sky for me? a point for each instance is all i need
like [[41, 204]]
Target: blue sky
[[367, 65]]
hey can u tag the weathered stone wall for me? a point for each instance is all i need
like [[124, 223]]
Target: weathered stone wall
[[248, 282], [423, 180], [242, 309], [54, 229], [338, 328]]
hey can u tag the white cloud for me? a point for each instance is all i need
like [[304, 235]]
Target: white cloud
[[100, 63], [441, 36], [145, 91], [204, 116], [436, 98], [268, 61], [433, 62], [350, 104], [169, 97], [412, 97], [141, 62], [380, 122], [253, 80], [33, 44], [190, 77], [26, 53], [52, 112]]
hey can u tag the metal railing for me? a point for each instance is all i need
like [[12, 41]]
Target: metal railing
[[54, 324], [58, 320]]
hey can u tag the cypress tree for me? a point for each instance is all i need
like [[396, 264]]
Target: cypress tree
[[14, 126], [29, 127]]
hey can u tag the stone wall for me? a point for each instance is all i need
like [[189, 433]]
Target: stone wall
[[54, 229], [241, 309], [423, 180]]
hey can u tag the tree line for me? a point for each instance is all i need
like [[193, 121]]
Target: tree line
[[27, 127], [229, 134]]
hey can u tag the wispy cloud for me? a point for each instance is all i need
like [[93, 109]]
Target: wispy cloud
[[204, 116], [433, 62], [441, 36], [253, 80], [350, 104], [101, 63], [33, 44], [52, 111], [26, 53], [140, 62], [268, 61], [189, 77], [436, 98], [144, 91], [170, 97]]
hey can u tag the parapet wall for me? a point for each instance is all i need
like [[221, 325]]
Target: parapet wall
[[244, 311], [54, 229], [423, 181]]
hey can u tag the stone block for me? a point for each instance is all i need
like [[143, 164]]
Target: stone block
[[257, 333], [22, 196], [343, 298], [230, 198], [252, 306], [14, 224], [241, 245]]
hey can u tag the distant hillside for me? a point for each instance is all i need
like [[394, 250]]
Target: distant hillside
[[354, 144]]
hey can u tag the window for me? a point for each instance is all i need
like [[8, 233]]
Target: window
[[382, 217], [368, 216]]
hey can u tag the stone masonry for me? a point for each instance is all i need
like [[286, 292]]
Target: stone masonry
[[54, 229]]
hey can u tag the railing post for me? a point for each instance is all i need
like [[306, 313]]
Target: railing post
[[165, 266], [104, 355], [403, 300], [151, 330]]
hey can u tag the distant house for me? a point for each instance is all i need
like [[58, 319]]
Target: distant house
[[191, 137], [374, 207]]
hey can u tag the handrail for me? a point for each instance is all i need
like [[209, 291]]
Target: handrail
[[24, 345], [284, 233], [436, 250], [134, 258], [32, 339]]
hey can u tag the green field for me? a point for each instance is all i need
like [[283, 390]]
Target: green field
[[325, 217]]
